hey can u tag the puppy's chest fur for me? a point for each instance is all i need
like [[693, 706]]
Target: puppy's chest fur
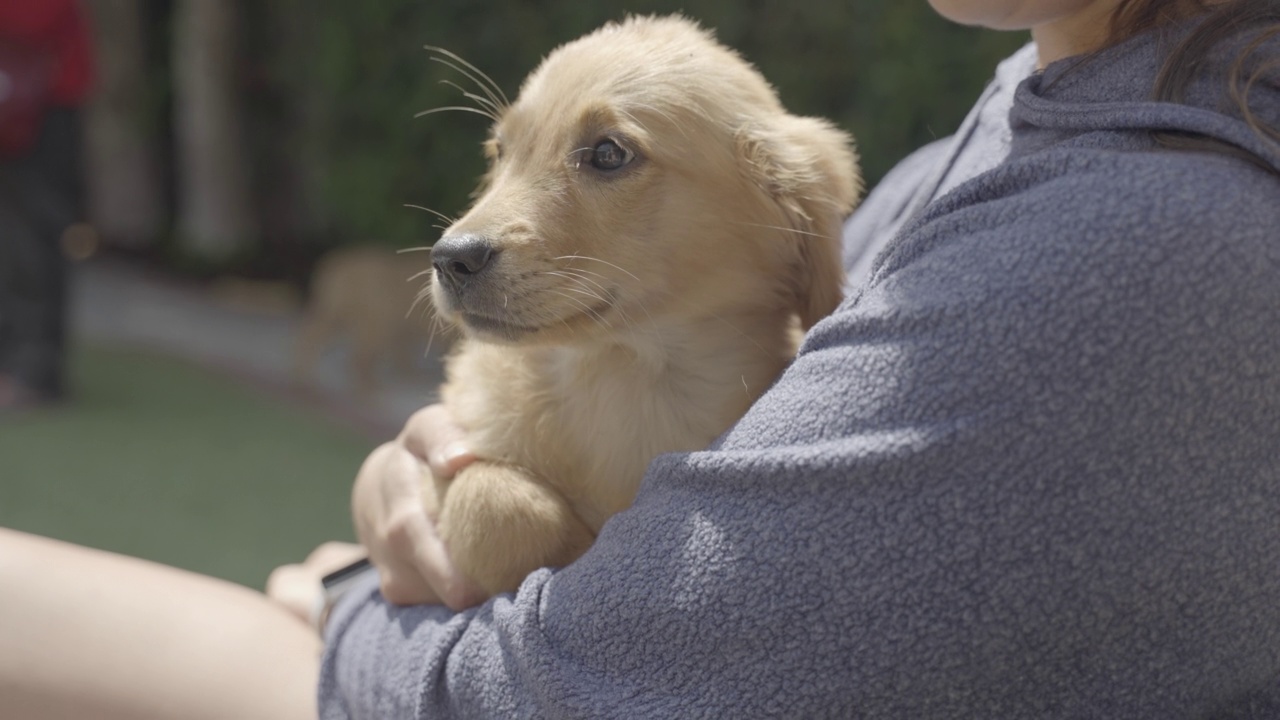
[[588, 422]]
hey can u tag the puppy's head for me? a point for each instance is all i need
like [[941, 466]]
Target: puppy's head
[[646, 174]]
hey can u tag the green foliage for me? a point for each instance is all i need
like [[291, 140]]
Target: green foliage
[[892, 72]]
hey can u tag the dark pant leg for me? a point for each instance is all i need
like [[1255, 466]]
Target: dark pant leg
[[40, 195]]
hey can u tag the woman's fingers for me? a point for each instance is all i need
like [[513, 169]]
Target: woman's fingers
[[402, 541], [392, 521], [298, 588], [333, 556], [407, 530], [431, 436], [414, 537], [381, 485]]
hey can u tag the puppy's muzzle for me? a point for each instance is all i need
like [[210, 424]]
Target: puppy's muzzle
[[461, 259]]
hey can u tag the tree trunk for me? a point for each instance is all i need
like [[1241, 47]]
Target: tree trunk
[[121, 132], [215, 213]]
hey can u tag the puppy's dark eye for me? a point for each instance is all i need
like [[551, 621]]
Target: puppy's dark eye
[[609, 155]]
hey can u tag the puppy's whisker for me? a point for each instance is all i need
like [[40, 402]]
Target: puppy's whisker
[[626, 318], [490, 89], [571, 258], [579, 290], [437, 213], [483, 102], [581, 274], [583, 291], [579, 281], [483, 106], [425, 248], [588, 310], [423, 298], [437, 324], [458, 58], [606, 262], [631, 116], [664, 114], [604, 296], [578, 152], [470, 76], [423, 294], [583, 271], [425, 308], [779, 227], [431, 336], [459, 108], [575, 301]]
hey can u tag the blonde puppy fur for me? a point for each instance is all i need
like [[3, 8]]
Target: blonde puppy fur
[[653, 228]]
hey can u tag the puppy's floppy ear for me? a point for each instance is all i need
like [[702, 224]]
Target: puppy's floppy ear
[[809, 169]]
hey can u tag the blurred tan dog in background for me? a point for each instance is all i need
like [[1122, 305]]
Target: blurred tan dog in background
[[653, 228], [368, 296]]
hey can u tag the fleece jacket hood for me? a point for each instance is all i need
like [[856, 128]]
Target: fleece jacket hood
[[1070, 99]]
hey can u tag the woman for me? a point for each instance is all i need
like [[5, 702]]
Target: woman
[[1026, 470]]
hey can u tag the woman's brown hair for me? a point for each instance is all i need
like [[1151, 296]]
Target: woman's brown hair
[[1217, 20]]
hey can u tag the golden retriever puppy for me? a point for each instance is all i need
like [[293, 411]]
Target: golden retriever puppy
[[652, 228]]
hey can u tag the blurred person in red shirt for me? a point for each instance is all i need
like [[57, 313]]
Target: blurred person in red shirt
[[45, 75]]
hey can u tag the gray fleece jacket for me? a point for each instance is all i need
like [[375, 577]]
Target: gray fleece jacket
[[1029, 469]]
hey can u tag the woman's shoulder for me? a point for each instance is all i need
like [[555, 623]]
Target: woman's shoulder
[[1088, 185], [1073, 212], [1194, 195]]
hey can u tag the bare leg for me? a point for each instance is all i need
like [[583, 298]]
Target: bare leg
[[85, 633]]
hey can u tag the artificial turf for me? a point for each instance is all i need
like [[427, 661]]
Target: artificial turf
[[160, 459]]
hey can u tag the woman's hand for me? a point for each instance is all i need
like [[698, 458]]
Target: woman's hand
[[392, 524], [431, 436], [297, 587], [391, 520]]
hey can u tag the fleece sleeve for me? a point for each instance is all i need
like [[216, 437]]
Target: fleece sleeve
[[1028, 471], [879, 217]]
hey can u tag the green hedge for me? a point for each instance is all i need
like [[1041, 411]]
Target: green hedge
[[890, 71]]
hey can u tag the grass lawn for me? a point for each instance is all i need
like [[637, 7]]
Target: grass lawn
[[163, 460]]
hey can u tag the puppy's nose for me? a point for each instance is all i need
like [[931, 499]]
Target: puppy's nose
[[458, 257]]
